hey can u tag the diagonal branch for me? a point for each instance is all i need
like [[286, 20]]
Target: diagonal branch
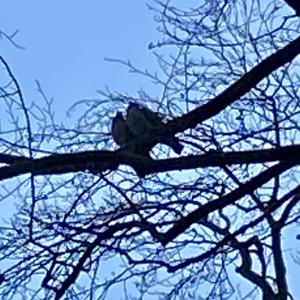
[[229, 238], [237, 89], [245, 189]]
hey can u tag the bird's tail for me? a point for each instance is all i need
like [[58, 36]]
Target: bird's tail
[[173, 142]]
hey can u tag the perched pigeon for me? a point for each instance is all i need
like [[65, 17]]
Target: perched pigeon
[[143, 121], [120, 131], [138, 121]]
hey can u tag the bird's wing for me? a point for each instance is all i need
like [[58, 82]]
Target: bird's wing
[[154, 117], [137, 120]]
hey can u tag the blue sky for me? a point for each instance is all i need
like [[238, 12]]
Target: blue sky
[[66, 43]]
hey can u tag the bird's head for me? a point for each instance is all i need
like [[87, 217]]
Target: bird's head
[[132, 105]]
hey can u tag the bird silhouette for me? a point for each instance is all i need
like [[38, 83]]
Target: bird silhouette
[[144, 122]]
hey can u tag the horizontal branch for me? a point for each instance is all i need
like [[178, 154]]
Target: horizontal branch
[[100, 161], [10, 159]]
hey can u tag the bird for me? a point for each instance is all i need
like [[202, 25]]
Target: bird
[[120, 131], [139, 121], [144, 122]]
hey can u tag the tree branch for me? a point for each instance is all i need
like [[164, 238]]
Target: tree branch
[[237, 89], [99, 161], [246, 188]]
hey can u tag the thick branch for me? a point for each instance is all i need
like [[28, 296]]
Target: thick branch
[[99, 161], [246, 271], [237, 89], [279, 265], [10, 159], [73, 162]]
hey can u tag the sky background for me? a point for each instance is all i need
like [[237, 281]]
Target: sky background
[[66, 43]]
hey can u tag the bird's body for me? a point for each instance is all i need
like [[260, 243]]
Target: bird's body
[[145, 123], [154, 118], [142, 120]]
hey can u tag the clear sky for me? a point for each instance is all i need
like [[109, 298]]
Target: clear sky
[[66, 43]]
